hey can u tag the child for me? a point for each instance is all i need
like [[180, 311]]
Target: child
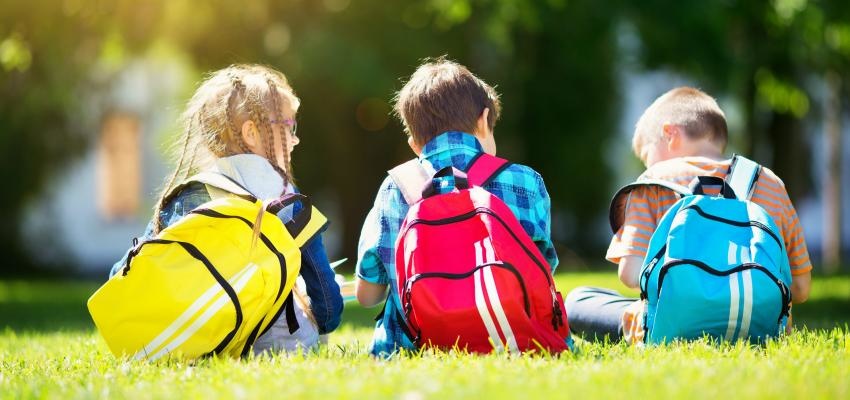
[[241, 123], [682, 135], [449, 115]]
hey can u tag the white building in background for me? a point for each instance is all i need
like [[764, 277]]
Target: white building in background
[[92, 210]]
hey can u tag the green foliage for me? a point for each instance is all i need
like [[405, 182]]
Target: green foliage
[[555, 63], [763, 53], [65, 360]]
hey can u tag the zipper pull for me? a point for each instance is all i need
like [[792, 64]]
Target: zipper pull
[[557, 319]]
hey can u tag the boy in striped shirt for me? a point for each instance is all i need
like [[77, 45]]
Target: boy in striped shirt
[[682, 135]]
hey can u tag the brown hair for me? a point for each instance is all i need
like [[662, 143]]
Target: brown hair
[[692, 109], [441, 96], [224, 101]]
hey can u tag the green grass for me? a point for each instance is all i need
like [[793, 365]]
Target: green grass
[[50, 350]]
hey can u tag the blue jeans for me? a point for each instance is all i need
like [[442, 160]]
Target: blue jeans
[[596, 313]]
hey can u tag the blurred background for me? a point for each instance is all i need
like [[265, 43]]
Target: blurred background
[[90, 91]]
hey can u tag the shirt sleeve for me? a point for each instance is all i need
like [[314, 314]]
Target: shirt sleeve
[[542, 234], [370, 267], [148, 235], [641, 212], [325, 298], [795, 242]]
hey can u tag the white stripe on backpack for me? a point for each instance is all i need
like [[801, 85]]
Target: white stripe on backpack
[[748, 302], [485, 254], [238, 281], [739, 254], [481, 304], [733, 307], [493, 294]]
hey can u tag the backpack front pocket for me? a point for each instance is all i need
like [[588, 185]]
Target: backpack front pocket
[[477, 310], [694, 299]]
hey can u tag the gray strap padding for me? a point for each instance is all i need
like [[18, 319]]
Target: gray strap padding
[[410, 178], [742, 176], [216, 180], [617, 212]]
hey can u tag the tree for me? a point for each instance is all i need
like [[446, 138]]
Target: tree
[[45, 54]]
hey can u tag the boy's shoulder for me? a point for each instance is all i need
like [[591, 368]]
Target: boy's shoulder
[[682, 170], [768, 174], [521, 180], [515, 169]]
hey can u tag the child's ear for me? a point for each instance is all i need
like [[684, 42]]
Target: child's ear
[[672, 135], [413, 146], [482, 126], [251, 136], [484, 134]]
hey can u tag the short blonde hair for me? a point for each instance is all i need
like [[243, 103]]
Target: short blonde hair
[[687, 107]]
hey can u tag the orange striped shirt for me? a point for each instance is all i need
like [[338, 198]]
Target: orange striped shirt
[[646, 205]]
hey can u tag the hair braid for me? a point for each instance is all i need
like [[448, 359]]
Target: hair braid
[[284, 135], [201, 126], [187, 136], [237, 88]]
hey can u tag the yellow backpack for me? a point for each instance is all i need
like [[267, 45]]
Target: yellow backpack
[[207, 284]]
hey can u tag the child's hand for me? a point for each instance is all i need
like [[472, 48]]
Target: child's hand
[[346, 289], [789, 326]]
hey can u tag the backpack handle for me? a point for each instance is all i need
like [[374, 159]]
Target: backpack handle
[[460, 179], [699, 183], [483, 168], [617, 210], [300, 219]]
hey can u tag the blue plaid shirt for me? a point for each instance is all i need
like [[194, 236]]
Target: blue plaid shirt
[[520, 187]]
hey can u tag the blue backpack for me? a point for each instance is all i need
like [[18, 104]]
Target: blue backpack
[[716, 265]]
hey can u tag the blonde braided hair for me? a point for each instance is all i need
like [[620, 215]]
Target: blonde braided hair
[[223, 102]]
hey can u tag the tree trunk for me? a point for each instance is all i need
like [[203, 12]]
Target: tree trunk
[[832, 217]]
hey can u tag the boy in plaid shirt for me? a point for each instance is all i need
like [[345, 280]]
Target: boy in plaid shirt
[[449, 115]]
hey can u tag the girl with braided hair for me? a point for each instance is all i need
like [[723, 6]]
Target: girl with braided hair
[[241, 123]]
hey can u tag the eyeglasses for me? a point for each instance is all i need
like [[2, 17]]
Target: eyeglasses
[[290, 122]]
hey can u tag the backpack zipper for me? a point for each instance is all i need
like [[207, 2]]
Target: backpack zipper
[[783, 289], [648, 271], [252, 337], [484, 210], [651, 266], [742, 224], [557, 318], [263, 238], [408, 287], [228, 289]]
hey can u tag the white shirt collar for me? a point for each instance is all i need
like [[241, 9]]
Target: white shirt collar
[[255, 173]]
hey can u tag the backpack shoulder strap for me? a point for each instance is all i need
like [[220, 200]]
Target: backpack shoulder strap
[[617, 212], [410, 178], [482, 169], [742, 176], [216, 180], [220, 181]]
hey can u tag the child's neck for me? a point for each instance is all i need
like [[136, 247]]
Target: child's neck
[[701, 148]]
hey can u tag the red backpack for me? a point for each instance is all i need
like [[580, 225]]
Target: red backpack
[[469, 277]]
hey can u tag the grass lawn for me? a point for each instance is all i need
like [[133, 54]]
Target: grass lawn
[[49, 349]]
